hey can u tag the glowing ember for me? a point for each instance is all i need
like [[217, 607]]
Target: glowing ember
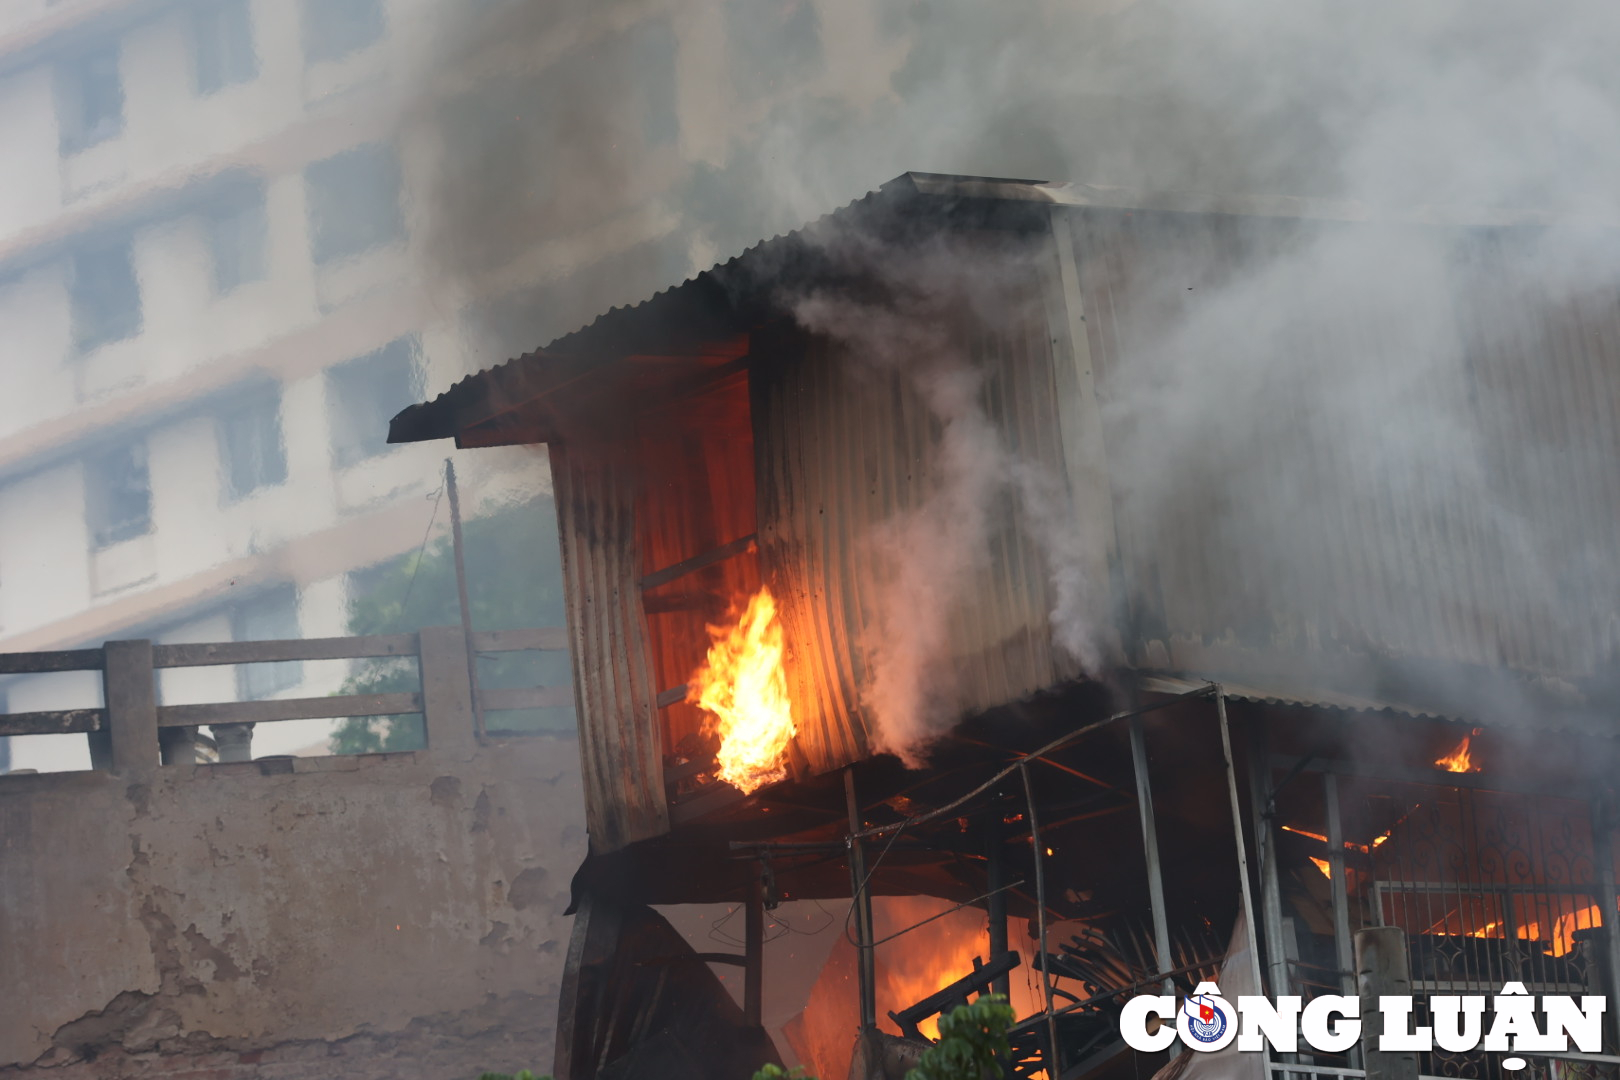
[[1304, 832], [1459, 761], [1324, 866], [743, 688]]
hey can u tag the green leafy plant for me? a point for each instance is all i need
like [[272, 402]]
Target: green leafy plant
[[514, 581], [972, 1039]]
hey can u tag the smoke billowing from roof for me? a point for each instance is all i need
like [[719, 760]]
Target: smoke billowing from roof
[[1231, 416]]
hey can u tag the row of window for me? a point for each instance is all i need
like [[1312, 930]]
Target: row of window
[[90, 89], [354, 206], [362, 396]]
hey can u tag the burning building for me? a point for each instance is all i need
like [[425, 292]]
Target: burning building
[[1029, 546]]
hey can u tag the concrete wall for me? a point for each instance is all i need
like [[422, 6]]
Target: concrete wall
[[394, 915]]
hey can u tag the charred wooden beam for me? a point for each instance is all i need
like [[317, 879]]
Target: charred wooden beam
[[702, 805], [686, 770], [673, 696], [740, 546], [956, 994]]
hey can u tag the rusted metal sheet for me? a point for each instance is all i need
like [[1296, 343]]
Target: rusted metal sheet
[[1456, 517], [620, 748], [846, 448]]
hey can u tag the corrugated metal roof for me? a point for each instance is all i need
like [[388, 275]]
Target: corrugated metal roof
[[699, 305], [1315, 698], [728, 289]]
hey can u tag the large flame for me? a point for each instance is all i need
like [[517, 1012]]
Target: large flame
[[916, 964], [1459, 761], [743, 688]]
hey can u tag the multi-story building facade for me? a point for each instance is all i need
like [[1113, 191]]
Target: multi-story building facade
[[236, 236]]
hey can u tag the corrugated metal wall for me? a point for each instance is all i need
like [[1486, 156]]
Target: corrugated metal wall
[[620, 751], [845, 446], [1331, 439]]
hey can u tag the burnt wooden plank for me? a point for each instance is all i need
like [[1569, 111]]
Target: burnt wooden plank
[[312, 708], [739, 546], [716, 797], [38, 663], [53, 722], [532, 639], [269, 652], [673, 696], [528, 697]]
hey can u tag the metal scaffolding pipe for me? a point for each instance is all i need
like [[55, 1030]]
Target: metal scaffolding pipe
[[1237, 836], [861, 898], [754, 950], [1055, 1066], [996, 901], [1343, 944], [1150, 849]]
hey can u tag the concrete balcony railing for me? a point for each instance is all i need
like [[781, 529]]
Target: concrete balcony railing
[[131, 734]]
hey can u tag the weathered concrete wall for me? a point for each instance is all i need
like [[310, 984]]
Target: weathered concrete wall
[[394, 915]]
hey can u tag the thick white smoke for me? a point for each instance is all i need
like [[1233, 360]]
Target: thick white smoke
[[1228, 406]]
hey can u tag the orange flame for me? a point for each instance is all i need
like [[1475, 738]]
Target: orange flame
[[930, 958], [743, 687], [1459, 761], [1324, 866]]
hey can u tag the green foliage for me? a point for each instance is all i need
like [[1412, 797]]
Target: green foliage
[[972, 1039], [514, 580]]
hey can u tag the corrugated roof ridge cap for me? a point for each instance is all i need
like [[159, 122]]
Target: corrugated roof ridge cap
[[907, 180]]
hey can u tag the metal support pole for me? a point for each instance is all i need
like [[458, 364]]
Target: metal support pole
[[1343, 945], [1343, 949], [754, 950], [461, 592], [1237, 836], [861, 897], [1055, 1066], [1261, 799], [1603, 851], [1150, 848], [996, 902], [1382, 971]]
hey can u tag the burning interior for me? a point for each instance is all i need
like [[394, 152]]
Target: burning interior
[[861, 475]]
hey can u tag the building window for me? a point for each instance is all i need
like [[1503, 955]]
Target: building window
[[105, 295], [364, 394], [117, 495], [238, 238], [354, 202], [222, 39], [335, 28], [89, 98], [252, 454], [772, 44], [271, 616]]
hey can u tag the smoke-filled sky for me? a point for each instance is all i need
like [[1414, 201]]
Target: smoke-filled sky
[[675, 133], [1225, 409]]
